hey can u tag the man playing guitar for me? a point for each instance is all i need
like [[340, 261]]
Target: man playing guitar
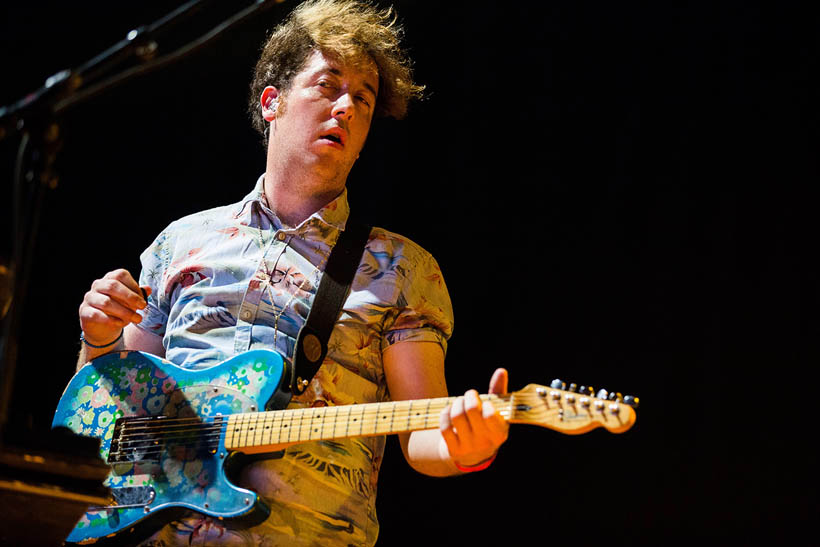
[[243, 276]]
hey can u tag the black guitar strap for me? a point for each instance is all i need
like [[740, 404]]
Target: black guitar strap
[[311, 344]]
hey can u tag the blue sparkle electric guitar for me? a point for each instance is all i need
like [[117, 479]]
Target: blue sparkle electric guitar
[[170, 434]]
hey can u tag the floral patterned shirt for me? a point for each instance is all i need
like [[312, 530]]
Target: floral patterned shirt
[[234, 278]]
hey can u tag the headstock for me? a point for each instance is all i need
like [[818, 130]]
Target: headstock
[[572, 411]]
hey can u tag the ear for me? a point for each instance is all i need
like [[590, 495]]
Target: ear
[[269, 102]]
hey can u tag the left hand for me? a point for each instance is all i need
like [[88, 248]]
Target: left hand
[[474, 431]]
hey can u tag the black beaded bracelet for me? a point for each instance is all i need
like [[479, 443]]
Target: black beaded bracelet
[[87, 343]]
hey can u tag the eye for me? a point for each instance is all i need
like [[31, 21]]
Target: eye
[[363, 100]]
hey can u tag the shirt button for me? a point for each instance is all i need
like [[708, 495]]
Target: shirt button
[[281, 236], [246, 314]]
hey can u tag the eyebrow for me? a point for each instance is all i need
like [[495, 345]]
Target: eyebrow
[[337, 72]]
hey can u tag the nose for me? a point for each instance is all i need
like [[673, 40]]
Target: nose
[[343, 107]]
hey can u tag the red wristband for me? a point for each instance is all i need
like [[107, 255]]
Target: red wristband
[[480, 466]]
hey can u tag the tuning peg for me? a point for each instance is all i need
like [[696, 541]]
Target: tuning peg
[[558, 384], [587, 390], [573, 387], [602, 394], [631, 401]]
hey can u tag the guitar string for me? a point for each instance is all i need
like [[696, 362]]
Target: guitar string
[[160, 421], [298, 430], [245, 428], [210, 429], [150, 421], [152, 446], [196, 423], [243, 423], [266, 431]]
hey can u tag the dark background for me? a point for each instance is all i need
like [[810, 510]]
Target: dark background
[[619, 194]]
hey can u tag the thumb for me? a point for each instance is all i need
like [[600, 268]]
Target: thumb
[[498, 383]]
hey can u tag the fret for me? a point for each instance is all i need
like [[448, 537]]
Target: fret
[[304, 424], [327, 423], [335, 421], [381, 424], [275, 436], [269, 417], [256, 430], [409, 413], [295, 425], [282, 428], [287, 425], [247, 429], [315, 424], [356, 416], [370, 418], [243, 430], [302, 430], [347, 420], [401, 409], [417, 417], [264, 429], [229, 431]]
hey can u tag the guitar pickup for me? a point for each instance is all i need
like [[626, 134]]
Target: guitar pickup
[[134, 441], [147, 439]]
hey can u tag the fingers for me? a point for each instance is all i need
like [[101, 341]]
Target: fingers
[[112, 307], [120, 286], [448, 432], [471, 429], [111, 304], [499, 381]]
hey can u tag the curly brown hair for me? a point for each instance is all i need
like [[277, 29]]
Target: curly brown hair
[[347, 30]]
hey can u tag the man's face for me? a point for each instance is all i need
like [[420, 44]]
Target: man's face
[[324, 117]]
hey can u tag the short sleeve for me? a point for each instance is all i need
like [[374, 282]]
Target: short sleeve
[[155, 260], [424, 312]]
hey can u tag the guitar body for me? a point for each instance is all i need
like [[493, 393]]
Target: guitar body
[[162, 430]]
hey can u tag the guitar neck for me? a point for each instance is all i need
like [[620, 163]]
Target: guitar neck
[[568, 412], [277, 427]]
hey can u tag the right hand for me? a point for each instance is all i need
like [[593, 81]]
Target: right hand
[[110, 305]]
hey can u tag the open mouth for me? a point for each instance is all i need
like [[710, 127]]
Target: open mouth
[[335, 135]]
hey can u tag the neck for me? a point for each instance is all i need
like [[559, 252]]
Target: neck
[[295, 190], [294, 199]]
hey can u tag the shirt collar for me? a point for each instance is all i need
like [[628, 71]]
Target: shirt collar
[[334, 214]]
